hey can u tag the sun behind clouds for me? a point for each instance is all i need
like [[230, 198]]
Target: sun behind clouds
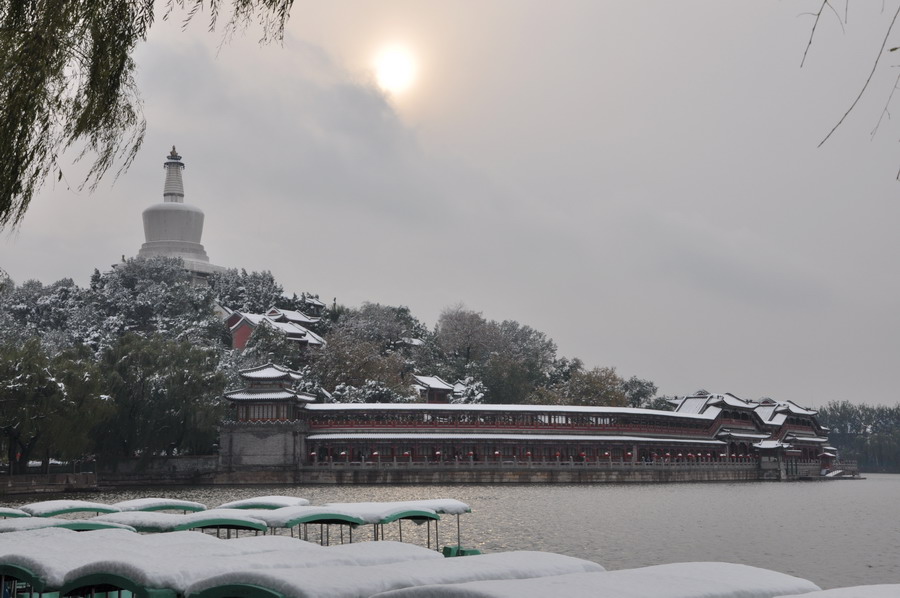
[[395, 69]]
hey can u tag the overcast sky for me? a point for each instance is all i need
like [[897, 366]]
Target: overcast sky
[[638, 180]]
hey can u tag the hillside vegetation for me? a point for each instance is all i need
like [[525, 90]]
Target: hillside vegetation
[[135, 363]]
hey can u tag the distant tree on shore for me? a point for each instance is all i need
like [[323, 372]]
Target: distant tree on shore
[[866, 433]]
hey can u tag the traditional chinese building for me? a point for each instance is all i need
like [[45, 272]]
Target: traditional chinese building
[[242, 325], [706, 429]]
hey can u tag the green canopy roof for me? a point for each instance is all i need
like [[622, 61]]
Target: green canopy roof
[[413, 514], [103, 583], [221, 522], [238, 591], [326, 518]]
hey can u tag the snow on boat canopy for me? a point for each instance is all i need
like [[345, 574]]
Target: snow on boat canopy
[[265, 502], [188, 564], [154, 522], [80, 525], [678, 580], [52, 508], [340, 582], [159, 504], [890, 590]]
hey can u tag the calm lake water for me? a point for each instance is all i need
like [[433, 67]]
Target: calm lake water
[[838, 533]]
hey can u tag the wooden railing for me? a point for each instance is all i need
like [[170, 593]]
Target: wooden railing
[[526, 464]]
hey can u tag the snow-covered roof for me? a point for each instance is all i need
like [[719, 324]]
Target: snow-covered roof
[[691, 405], [536, 409], [313, 301], [733, 434], [766, 412], [266, 395], [433, 382], [521, 437], [9, 512], [770, 444], [288, 328], [253, 319], [292, 316], [269, 371], [793, 408], [813, 439], [730, 400], [677, 580]]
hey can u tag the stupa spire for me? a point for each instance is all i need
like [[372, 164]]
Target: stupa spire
[[173, 190], [173, 228]]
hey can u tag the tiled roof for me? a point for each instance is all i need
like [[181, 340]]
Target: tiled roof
[[263, 395], [269, 371], [433, 382]]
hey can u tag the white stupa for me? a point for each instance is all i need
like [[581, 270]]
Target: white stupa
[[174, 228]]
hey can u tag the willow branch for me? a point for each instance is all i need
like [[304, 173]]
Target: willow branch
[[868, 79]]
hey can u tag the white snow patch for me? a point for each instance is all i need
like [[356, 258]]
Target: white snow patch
[[336, 582], [265, 502], [47, 508], [679, 580], [874, 591], [159, 504]]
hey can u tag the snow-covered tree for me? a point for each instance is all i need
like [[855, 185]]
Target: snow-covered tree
[[473, 392], [638, 392], [47, 403], [254, 293], [165, 394], [371, 391]]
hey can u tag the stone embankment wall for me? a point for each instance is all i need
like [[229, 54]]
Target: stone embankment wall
[[159, 471], [211, 470], [418, 474], [44, 483]]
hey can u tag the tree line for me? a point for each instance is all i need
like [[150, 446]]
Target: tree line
[[869, 434], [135, 363]]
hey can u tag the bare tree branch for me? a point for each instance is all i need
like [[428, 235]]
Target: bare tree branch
[[812, 33], [868, 79], [886, 111]]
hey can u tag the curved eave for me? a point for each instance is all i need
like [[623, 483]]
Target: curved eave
[[221, 522], [100, 583], [414, 515], [326, 518], [238, 590]]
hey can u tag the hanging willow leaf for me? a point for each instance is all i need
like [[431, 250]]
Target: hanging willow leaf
[[67, 79]]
